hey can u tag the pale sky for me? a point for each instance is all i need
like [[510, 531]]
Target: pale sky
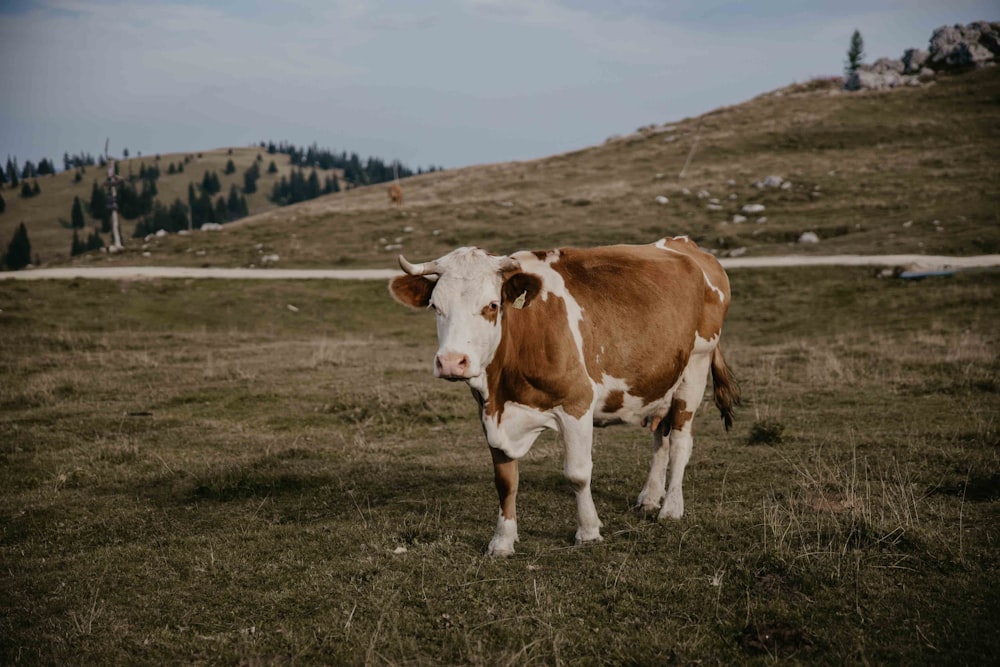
[[442, 82]]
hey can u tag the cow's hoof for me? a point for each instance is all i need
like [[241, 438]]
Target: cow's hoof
[[671, 510], [648, 503], [588, 536], [500, 549]]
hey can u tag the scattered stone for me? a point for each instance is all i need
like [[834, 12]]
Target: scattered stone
[[399, 550], [393, 246], [731, 183], [739, 219], [161, 232], [407, 229], [685, 192], [714, 207], [505, 204], [753, 208], [660, 199], [809, 237], [908, 223], [211, 227], [769, 182], [270, 259], [713, 200], [787, 185], [660, 175], [147, 254], [761, 220], [737, 252], [703, 194], [732, 195], [291, 308]]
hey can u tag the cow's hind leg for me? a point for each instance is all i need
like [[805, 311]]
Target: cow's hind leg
[[578, 439], [656, 483], [686, 400]]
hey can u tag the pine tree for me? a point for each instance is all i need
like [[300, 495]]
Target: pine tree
[[855, 54], [77, 246], [221, 211], [18, 253], [3, 203], [76, 215], [94, 241], [271, 168], [26, 191], [230, 167], [35, 190]]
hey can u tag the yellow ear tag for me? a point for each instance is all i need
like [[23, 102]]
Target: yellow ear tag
[[519, 301]]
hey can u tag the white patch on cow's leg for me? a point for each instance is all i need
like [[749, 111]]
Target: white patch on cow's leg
[[504, 537], [656, 482], [690, 393], [578, 438]]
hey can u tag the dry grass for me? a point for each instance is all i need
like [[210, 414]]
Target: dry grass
[[192, 472]]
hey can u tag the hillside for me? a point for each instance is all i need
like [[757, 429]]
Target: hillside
[[914, 170]]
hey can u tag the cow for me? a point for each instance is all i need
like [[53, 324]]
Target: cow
[[572, 338], [395, 194]]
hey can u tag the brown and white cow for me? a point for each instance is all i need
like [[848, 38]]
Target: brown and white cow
[[395, 194], [574, 338]]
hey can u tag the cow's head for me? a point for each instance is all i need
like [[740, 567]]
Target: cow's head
[[468, 289]]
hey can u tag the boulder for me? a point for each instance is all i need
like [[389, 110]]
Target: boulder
[[809, 237], [913, 60], [961, 47]]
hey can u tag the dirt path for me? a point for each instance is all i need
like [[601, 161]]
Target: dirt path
[[911, 262]]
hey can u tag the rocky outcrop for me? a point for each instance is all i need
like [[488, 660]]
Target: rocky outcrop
[[951, 48], [960, 47]]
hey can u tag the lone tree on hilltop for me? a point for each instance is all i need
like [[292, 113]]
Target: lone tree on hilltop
[[18, 253], [855, 54]]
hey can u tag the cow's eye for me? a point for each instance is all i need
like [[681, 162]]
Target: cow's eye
[[494, 306]]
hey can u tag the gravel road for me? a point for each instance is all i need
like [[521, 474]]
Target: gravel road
[[910, 262]]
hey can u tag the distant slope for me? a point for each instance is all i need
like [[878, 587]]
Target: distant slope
[[41, 214], [913, 170]]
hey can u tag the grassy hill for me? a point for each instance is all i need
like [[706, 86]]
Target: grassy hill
[[47, 215], [907, 170]]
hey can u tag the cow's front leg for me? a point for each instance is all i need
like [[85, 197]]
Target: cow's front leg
[[578, 439], [505, 478]]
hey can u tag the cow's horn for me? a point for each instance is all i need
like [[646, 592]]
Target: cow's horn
[[417, 269]]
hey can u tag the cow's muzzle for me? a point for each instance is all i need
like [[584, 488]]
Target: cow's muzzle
[[452, 366]]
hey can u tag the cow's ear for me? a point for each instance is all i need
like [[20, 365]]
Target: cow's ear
[[412, 291], [520, 289]]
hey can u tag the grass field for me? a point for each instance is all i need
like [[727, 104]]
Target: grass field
[[206, 472]]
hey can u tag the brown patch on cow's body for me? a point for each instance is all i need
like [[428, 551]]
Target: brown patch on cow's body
[[537, 363], [642, 305], [614, 401], [679, 414]]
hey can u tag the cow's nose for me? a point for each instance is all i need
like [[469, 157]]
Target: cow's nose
[[452, 365]]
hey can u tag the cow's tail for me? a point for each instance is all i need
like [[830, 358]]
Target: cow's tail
[[727, 392]]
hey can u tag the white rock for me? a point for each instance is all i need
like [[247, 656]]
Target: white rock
[[730, 182], [211, 227], [736, 252], [147, 254], [685, 192], [407, 229], [771, 181], [753, 208], [739, 219], [393, 246], [161, 232], [660, 199], [714, 207], [703, 194], [787, 185], [733, 195], [809, 237], [268, 259], [761, 220]]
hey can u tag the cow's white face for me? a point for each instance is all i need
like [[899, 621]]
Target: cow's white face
[[464, 290]]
